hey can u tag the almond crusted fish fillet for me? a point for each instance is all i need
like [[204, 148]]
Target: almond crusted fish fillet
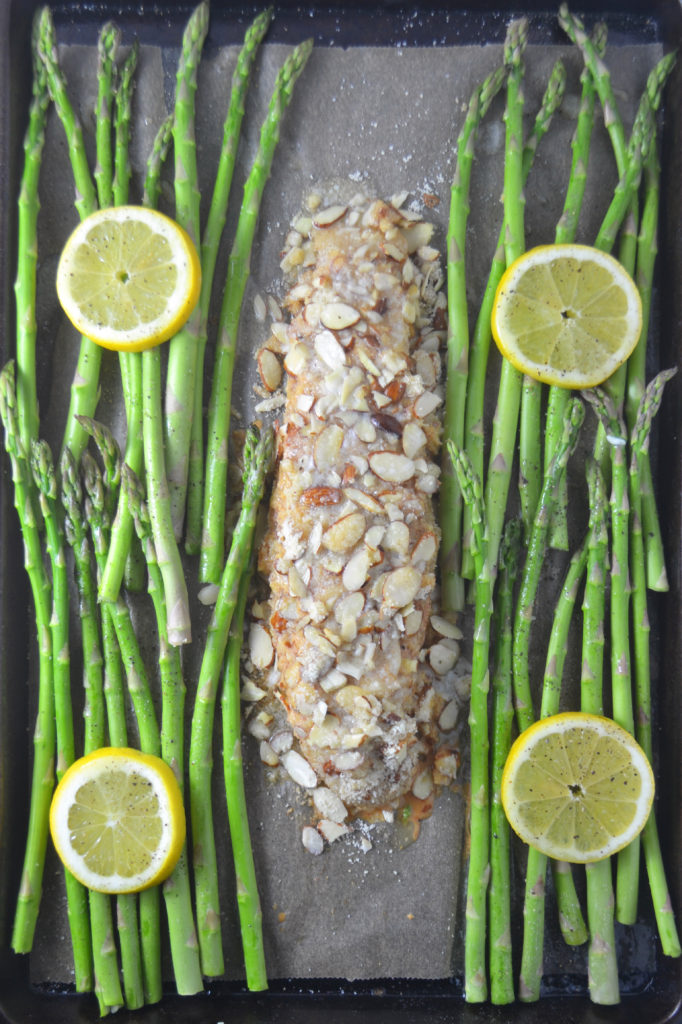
[[351, 545]]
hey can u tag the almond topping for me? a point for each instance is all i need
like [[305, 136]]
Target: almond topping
[[413, 622], [445, 627], [442, 659], [299, 769], [414, 439], [391, 466], [345, 533], [364, 500], [357, 569], [329, 805], [426, 404], [338, 315], [329, 350], [316, 497], [331, 830], [327, 447], [425, 549], [261, 650], [401, 586], [397, 538], [295, 360], [330, 215], [312, 840]]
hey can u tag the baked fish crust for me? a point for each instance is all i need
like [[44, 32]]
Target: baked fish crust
[[352, 540]]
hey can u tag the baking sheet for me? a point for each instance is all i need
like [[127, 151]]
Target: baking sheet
[[381, 121]]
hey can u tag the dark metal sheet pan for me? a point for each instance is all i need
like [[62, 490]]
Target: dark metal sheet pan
[[656, 994]]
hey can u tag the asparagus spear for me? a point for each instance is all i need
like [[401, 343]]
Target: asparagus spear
[[84, 390], [124, 96], [621, 680], [505, 422], [530, 434], [99, 513], [122, 528], [183, 350], [27, 251], [45, 480], [257, 458], [105, 958], [501, 969], [602, 966], [571, 920], [452, 585], [248, 901], [636, 371], [176, 890], [213, 540], [210, 242], [42, 777], [658, 885], [482, 336], [566, 231], [534, 904], [537, 543], [109, 39], [475, 981]]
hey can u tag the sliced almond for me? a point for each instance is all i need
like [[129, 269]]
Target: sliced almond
[[427, 403], [319, 497], [414, 439], [328, 349], [427, 484], [357, 569], [446, 763], [401, 586], [391, 466], [250, 692], [330, 215], [281, 741], [329, 805], [331, 830], [350, 606], [297, 587], [425, 364], [333, 680], [311, 313], [312, 840], [417, 235], [299, 769], [365, 429], [364, 500], [304, 403], [374, 536], [413, 622], [327, 447], [348, 760], [442, 659], [316, 639], [295, 360], [445, 627], [261, 650], [268, 755], [397, 538], [338, 315], [345, 533], [447, 719], [425, 549], [422, 787]]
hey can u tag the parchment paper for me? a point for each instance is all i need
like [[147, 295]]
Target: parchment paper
[[380, 121]]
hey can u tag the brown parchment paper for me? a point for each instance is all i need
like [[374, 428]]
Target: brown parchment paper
[[380, 121]]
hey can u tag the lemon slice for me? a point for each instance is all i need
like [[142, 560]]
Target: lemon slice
[[568, 315], [117, 820], [577, 787], [128, 278]]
